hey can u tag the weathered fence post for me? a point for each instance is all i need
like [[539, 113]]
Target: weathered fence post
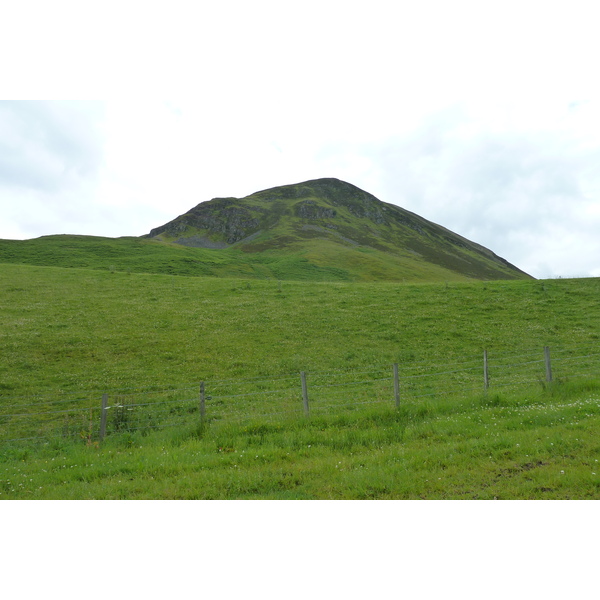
[[396, 386], [486, 374], [202, 402], [548, 364], [304, 392], [103, 416]]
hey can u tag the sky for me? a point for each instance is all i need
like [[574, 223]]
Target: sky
[[483, 117]]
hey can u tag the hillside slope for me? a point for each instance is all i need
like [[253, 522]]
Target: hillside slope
[[69, 336], [77, 329], [321, 230], [336, 224]]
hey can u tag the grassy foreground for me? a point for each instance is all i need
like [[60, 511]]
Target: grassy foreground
[[499, 447], [75, 333]]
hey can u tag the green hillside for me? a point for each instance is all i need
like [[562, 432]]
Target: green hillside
[[324, 230], [138, 255], [86, 329], [70, 335], [334, 224]]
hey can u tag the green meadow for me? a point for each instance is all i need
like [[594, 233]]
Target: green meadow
[[70, 335]]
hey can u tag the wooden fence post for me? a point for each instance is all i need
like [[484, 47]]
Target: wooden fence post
[[396, 386], [486, 374], [304, 392], [548, 364], [202, 402], [103, 416]]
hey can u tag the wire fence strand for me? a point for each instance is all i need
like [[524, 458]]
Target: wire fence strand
[[232, 400]]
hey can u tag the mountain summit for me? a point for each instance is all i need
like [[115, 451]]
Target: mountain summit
[[335, 225]]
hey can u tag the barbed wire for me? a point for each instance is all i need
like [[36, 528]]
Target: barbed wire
[[402, 376], [263, 378], [577, 357], [180, 401], [318, 407], [347, 383], [54, 412], [363, 370], [417, 365], [95, 393], [237, 416], [71, 400], [261, 393], [514, 365]]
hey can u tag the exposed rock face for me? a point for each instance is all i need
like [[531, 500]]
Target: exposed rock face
[[223, 217], [410, 223], [310, 210], [365, 210]]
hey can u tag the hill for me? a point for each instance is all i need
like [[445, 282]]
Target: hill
[[334, 224], [322, 230]]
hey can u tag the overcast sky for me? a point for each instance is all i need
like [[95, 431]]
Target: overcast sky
[[480, 116]]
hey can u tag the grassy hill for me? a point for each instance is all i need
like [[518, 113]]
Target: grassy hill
[[323, 230], [334, 224], [69, 335]]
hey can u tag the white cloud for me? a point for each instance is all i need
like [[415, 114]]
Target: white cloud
[[498, 187], [47, 146], [50, 161]]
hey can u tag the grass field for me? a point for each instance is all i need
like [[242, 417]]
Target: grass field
[[73, 334]]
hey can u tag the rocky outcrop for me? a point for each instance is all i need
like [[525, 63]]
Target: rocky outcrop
[[412, 224], [366, 210], [220, 217], [309, 209]]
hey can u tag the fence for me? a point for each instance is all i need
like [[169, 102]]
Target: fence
[[92, 416]]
